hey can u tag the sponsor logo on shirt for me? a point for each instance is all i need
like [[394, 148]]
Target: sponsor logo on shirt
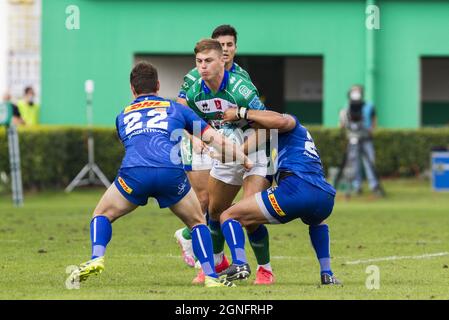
[[218, 104], [147, 104], [245, 91], [255, 103], [124, 185]]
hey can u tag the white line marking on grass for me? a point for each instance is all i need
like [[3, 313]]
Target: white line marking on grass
[[424, 256]]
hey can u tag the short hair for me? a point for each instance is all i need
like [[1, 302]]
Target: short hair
[[225, 30], [144, 78], [28, 89], [208, 44]]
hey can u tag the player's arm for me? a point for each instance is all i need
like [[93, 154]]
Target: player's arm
[[266, 119], [226, 149]]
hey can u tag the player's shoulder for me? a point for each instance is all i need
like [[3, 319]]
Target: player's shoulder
[[194, 89], [192, 75], [241, 87], [240, 71]]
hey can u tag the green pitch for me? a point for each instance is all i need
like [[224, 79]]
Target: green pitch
[[406, 235]]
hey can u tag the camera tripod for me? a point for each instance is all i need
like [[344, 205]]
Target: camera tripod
[[349, 166]]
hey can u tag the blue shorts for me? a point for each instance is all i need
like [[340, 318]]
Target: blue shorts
[[167, 185], [295, 198]]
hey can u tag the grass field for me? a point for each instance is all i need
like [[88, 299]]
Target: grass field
[[51, 232]]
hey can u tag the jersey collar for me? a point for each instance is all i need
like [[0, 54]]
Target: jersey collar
[[147, 97], [233, 67], [223, 84]]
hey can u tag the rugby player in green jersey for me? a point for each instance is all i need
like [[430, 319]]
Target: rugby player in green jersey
[[197, 163], [210, 96]]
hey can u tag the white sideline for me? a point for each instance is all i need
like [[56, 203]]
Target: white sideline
[[429, 255]]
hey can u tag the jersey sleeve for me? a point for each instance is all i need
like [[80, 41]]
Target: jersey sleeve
[[193, 123], [249, 97], [188, 81]]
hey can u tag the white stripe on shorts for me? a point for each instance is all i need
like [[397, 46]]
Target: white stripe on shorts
[[264, 209]]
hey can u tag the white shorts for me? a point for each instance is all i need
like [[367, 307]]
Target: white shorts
[[201, 161], [232, 173]]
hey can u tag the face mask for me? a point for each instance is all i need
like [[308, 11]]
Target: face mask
[[355, 95]]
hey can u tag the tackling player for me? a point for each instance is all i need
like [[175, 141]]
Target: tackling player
[[302, 192], [210, 96], [197, 163], [150, 130]]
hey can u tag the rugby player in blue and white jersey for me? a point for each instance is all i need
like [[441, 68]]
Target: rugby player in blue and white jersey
[[150, 130], [302, 192]]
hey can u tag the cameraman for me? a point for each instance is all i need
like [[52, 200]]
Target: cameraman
[[359, 120]]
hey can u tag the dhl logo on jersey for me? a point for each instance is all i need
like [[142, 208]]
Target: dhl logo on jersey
[[124, 185], [275, 205], [147, 104]]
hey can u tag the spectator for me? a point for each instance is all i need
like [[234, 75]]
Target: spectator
[[28, 108]]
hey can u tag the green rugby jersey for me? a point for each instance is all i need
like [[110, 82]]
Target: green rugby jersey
[[194, 75], [234, 91]]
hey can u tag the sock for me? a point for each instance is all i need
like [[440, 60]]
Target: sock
[[100, 235], [202, 247], [265, 266], [260, 242], [186, 234], [319, 236], [217, 236], [218, 258], [235, 238]]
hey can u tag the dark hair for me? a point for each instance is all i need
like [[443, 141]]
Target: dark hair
[[143, 78], [28, 89], [224, 30], [208, 44]]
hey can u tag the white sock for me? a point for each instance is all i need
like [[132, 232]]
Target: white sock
[[218, 257], [266, 267]]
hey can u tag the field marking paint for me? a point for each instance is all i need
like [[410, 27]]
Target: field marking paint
[[424, 256]]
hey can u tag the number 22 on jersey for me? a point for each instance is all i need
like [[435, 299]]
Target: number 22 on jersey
[[133, 121]]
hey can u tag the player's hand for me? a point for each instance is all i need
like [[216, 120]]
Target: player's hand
[[230, 115], [248, 164], [199, 146]]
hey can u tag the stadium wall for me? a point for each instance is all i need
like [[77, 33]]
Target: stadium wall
[[113, 32]]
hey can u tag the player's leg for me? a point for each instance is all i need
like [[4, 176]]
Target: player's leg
[[111, 206], [198, 180], [320, 239], [197, 165], [320, 205], [258, 234], [220, 198], [221, 195], [188, 209], [245, 213]]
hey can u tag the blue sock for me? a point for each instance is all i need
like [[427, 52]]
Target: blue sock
[[319, 236], [235, 238], [100, 235], [202, 248]]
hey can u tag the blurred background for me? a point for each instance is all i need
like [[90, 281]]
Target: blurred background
[[302, 55]]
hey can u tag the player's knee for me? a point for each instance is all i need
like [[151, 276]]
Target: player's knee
[[203, 197], [106, 214], [231, 214]]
